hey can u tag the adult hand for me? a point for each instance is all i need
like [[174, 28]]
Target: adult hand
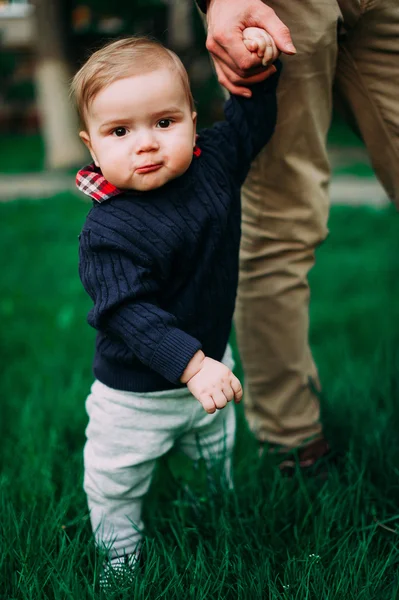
[[236, 67]]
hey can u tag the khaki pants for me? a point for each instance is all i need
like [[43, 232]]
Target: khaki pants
[[285, 199]]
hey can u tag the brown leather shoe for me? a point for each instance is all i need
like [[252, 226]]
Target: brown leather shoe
[[312, 460]]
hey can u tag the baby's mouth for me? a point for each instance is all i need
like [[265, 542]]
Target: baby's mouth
[[148, 168]]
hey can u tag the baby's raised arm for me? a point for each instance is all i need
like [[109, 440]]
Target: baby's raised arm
[[260, 42]]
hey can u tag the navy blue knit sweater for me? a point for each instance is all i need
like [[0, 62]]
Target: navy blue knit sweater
[[162, 266]]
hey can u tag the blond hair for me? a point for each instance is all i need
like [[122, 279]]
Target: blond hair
[[120, 59]]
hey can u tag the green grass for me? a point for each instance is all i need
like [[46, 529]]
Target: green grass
[[20, 154], [356, 169], [272, 538], [341, 134]]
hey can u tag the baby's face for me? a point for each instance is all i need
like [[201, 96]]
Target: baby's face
[[141, 131]]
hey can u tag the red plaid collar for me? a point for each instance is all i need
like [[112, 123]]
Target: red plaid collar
[[92, 182]]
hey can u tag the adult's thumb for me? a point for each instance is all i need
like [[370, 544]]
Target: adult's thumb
[[280, 33]]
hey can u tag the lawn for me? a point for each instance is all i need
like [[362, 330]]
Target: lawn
[[272, 538]]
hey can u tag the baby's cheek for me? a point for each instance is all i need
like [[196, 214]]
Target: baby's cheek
[[183, 155], [115, 173]]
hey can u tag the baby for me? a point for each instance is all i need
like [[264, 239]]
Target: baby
[[159, 259]]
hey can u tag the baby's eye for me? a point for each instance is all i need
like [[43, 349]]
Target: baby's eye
[[120, 131], [164, 123]]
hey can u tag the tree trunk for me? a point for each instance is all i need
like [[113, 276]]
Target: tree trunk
[[58, 117]]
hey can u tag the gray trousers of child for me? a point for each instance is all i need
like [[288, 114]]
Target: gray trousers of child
[[126, 434]]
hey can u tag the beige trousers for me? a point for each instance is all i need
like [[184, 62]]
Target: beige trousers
[[285, 198]]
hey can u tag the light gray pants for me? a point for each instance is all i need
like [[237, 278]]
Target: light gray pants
[[126, 433]]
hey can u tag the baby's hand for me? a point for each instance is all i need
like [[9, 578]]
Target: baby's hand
[[214, 385], [259, 41]]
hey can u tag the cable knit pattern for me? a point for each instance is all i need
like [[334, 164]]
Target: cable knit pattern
[[162, 266]]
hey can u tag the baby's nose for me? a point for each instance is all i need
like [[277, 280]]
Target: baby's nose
[[146, 141]]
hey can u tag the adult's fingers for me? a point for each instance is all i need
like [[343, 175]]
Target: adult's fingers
[[224, 81], [261, 74], [266, 19], [236, 85]]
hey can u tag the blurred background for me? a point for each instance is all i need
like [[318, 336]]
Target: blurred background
[[43, 44]]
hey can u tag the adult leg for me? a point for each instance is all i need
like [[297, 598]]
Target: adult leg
[[285, 211], [367, 83], [125, 435]]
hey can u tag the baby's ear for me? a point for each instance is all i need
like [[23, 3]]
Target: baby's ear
[[84, 136]]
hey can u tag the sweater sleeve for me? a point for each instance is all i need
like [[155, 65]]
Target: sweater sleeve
[[249, 124], [126, 307]]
